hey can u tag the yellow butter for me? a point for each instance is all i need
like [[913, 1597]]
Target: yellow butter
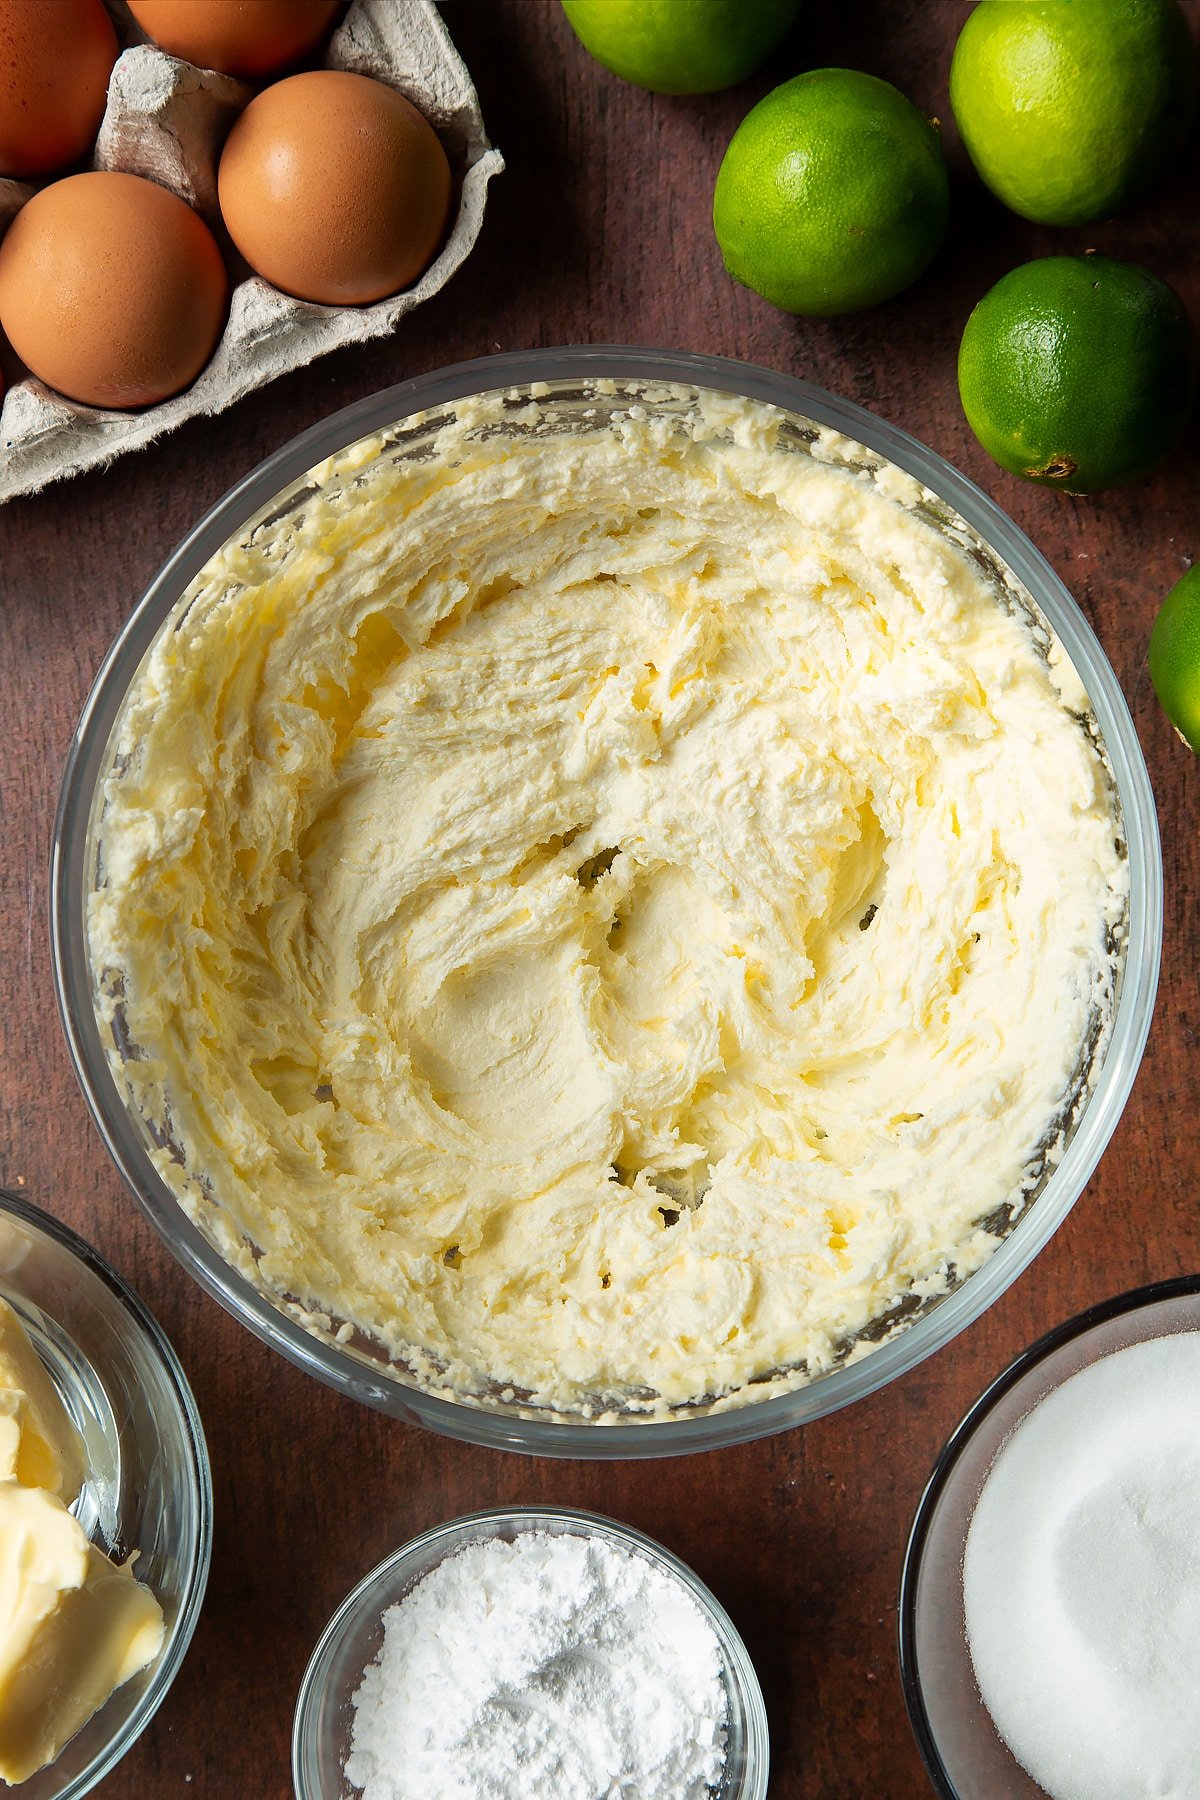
[[39, 1445], [12, 1426], [73, 1627], [606, 913]]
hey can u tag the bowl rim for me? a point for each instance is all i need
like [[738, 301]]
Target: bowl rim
[[747, 1689], [1102, 1312], [338, 1366], [180, 1632]]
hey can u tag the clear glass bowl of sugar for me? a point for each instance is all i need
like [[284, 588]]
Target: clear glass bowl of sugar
[[1088, 1476], [148, 1490], [325, 1711]]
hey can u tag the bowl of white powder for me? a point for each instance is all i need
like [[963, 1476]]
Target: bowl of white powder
[[518, 1654], [606, 902], [1050, 1602]]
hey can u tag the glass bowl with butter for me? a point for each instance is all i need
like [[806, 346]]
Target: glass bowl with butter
[[105, 1510], [607, 902]]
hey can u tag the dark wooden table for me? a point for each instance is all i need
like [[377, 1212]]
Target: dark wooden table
[[600, 231]]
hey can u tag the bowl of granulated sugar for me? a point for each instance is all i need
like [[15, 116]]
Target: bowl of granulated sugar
[[1050, 1602], [514, 1655]]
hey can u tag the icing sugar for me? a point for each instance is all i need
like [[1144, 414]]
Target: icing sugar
[[554, 1664]]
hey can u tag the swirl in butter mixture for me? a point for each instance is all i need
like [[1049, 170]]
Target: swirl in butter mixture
[[606, 914]]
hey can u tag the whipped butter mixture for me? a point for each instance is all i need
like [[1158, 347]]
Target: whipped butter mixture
[[607, 913]]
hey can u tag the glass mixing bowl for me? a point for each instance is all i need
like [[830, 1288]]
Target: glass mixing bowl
[[148, 1489], [577, 383], [352, 1639], [965, 1755]]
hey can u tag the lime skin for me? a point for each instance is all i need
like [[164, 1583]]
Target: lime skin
[[833, 194], [681, 46], [1175, 657], [1076, 372], [1069, 109]]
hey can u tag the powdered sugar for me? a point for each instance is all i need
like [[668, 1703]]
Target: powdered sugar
[[554, 1665]]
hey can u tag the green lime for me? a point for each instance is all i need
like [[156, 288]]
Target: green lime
[[1069, 108], [1076, 372], [832, 195], [1175, 657], [681, 46]]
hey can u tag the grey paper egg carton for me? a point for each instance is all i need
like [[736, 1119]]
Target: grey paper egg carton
[[167, 120]]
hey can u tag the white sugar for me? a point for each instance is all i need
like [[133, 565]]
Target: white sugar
[[1081, 1580]]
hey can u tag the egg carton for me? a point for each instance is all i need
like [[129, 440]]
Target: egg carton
[[167, 120]]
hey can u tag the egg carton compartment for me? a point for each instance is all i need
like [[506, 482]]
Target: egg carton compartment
[[167, 120]]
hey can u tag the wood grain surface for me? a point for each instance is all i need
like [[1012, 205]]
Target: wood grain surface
[[600, 231]]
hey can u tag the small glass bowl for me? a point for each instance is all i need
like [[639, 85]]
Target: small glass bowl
[[964, 1753], [351, 1641], [148, 1489]]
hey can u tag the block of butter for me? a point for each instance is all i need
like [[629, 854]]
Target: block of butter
[[73, 1627], [39, 1445]]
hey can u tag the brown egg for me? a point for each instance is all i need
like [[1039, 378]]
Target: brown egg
[[335, 188], [240, 37], [55, 60], [111, 289]]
